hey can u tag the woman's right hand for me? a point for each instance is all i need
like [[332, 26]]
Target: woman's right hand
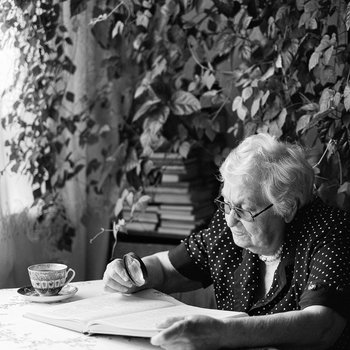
[[116, 279]]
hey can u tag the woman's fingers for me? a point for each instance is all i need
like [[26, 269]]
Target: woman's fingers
[[173, 327], [115, 277]]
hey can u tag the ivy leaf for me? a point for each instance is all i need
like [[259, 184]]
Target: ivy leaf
[[317, 117], [15, 167], [242, 111], [184, 149], [256, 104], [167, 10], [237, 102], [278, 62], [246, 50], [77, 6], [274, 129], [344, 188], [118, 29], [309, 107], [337, 98], [311, 6], [347, 97], [210, 132], [281, 119], [78, 168], [225, 43], [304, 18], [328, 54], [271, 29], [265, 97], [289, 52], [208, 98], [326, 99], [159, 66], [70, 96], [182, 132], [130, 199], [324, 44], [347, 22], [143, 18], [208, 79], [303, 122], [312, 24], [269, 73], [250, 128], [184, 103], [315, 57], [132, 161], [104, 129], [145, 107], [246, 93], [118, 207], [282, 12], [68, 41]]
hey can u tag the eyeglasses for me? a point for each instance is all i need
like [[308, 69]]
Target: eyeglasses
[[241, 214]]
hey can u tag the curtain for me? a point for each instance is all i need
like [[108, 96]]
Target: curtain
[[85, 83], [19, 247]]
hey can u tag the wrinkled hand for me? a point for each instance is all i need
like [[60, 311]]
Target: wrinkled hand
[[190, 333], [116, 279]]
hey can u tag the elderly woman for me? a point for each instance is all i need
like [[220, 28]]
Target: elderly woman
[[272, 250]]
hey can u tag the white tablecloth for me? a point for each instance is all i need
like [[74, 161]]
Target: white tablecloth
[[17, 332]]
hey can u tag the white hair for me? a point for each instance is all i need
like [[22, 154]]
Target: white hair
[[282, 170]]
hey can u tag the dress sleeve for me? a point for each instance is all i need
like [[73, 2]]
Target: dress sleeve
[[329, 278], [190, 258]]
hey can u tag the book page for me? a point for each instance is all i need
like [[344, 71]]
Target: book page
[[83, 311], [146, 324]]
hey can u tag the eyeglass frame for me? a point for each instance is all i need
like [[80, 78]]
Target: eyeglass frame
[[234, 208]]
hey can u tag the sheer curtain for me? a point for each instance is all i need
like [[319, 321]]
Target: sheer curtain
[[86, 82], [18, 247]]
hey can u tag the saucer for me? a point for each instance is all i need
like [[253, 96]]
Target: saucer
[[30, 294]]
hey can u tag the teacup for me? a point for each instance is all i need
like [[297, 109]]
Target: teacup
[[49, 278]]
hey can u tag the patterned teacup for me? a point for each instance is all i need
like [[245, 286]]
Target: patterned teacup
[[49, 278]]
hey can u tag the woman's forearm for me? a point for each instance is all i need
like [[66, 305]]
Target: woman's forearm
[[315, 327], [163, 276]]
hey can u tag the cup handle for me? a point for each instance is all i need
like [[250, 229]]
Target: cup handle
[[73, 275]]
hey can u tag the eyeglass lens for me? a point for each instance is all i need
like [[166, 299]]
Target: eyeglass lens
[[226, 208]]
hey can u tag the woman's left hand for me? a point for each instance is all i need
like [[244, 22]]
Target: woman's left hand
[[190, 333]]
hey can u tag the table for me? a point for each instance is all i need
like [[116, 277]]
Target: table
[[17, 332]]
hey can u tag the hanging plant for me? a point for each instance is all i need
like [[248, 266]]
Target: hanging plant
[[192, 74], [201, 68], [40, 134]]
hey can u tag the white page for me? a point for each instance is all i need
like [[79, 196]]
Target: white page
[[106, 305], [146, 324]]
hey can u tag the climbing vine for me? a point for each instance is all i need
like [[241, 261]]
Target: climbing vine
[[192, 74]]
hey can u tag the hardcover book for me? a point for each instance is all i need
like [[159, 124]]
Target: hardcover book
[[177, 232], [191, 197], [122, 314], [140, 216], [141, 226]]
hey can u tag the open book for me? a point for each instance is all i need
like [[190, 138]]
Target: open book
[[122, 314]]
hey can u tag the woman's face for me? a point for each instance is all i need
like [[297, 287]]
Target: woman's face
[[265, 234]]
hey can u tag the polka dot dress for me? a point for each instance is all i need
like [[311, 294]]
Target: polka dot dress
[[314, 268]]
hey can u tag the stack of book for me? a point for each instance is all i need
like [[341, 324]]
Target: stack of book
[[185, 194], [142, 221]]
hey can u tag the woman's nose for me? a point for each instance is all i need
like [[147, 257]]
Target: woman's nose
[[231, 219]]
